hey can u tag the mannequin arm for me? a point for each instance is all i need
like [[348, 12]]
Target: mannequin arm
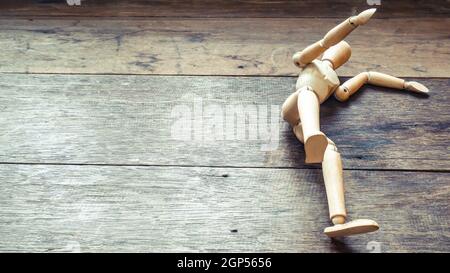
[[352, 85], [334, 36]]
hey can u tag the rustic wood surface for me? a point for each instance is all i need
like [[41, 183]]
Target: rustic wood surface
[[417, 47], [152, 209], [90, 96], [223, 8], [85, 119]]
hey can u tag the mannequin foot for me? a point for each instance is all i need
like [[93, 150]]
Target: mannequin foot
[[352, 228], [315, 146]]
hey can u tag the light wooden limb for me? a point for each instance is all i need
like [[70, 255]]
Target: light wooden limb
[[381, 79], [333, 37], [337, 55], [309, 110], [289, 110], [308, 54], [352, 85], [334, 183], [315, 140], [339, 32], [354, 227], [298, 132]]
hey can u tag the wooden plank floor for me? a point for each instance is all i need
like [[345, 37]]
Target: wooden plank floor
[[221, 9], [119, 208], [124, 119], [244, 46], [101, 149]]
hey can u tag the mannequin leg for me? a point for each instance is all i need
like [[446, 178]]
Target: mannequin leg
[[315, 141], [333, 178], [289, 110], [334, 183]]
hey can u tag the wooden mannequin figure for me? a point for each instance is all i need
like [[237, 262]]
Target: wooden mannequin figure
[[316, 82]]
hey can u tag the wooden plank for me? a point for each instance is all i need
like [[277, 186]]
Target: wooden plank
[[152, 209], [233, 8], [401, 47], [155, 120]]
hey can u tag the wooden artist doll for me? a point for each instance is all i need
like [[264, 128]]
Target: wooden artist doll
[[318, 81]]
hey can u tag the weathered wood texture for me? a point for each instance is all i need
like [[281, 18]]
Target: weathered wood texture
[[93, 163], [222, 8], [140, 120], [401, 47], [91, 208]]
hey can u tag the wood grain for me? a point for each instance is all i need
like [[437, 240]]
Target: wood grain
[[152, 209], [95, 163], [152, 120], [222, 8], [401, 47]]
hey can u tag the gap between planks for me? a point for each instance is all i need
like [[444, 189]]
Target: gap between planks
[[196, 75], [218, 167]]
